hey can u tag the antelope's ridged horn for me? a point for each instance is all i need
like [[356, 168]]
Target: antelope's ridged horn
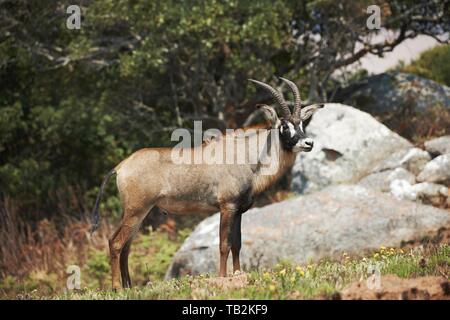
[[278, 97], [297, 100]]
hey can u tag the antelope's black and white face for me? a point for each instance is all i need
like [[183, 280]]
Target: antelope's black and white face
[[291, 125], [293, 136]]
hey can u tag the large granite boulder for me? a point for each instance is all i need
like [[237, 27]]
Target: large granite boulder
[[393, 92], [344, 218], [348, 145]]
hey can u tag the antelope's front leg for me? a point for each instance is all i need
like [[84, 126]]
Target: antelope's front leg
[[236, 242], [228, 214]]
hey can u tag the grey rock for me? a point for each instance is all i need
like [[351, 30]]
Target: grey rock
[[344, 218], [392, 92], [413, 160], [431, 189], [348, 145], [438, 146], [381, 181], [426, 192], [431, 193], [403, 190], [437, 170]]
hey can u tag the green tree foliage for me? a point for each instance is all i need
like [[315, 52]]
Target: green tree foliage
[[73, 103]]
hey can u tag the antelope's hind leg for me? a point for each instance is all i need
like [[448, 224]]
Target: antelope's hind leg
[[120, 243], [124, 272]]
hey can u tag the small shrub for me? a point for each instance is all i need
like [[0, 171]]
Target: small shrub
[[419, 127], [432, 64]]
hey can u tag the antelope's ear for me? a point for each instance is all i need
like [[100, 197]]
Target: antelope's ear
[[270, 115], [308, 111]]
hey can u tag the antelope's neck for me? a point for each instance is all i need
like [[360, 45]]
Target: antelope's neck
[[265, 178]]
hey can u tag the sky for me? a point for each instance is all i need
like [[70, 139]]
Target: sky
[[408, 50]]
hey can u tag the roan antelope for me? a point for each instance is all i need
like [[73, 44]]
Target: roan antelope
[[149, 177]]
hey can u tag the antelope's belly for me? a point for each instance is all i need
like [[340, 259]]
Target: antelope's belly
[[186, 206]]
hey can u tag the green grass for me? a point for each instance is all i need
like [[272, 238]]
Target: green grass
[[287, 281]]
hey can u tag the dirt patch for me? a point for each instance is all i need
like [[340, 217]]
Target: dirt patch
[[395, 288], [225, 283], [203, 288]]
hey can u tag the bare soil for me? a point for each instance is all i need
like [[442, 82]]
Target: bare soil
[[395, 288], [226, 283], [202, 287]]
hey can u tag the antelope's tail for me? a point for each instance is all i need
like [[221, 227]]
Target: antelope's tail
[[95, 213]]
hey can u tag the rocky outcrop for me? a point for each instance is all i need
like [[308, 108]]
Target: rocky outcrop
[[393, 92], [413, 160], [438, 146], [437, 170], [426, 192], [344, 218], [352, 147], [381, 181], [348, 145]]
